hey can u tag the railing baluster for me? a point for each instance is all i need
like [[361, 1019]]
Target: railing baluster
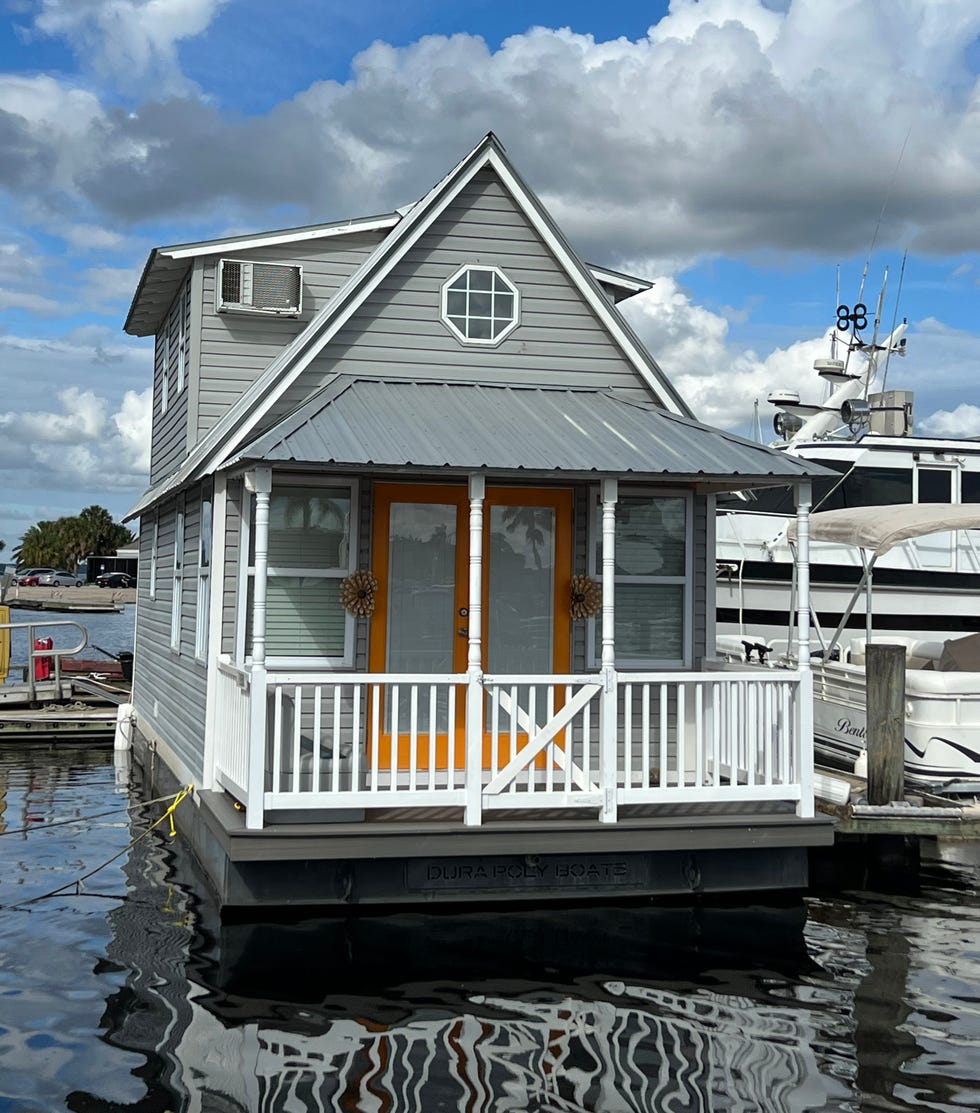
[[664, 732], [680, 745], [451, 737], [533, 720], [647, 740], [413, 736], [317, 738], [375, 734], [432, 762], [395, 736], [549, 753], [338, 711], [627, 690], [355, 767], [699, 733]]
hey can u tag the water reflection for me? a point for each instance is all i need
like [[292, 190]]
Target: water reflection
[[138, 997]]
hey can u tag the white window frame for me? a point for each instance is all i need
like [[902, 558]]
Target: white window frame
[[486, 342], [247, 571], [222, 306], [177, 599], [154, 551], [165, 372], [181, 340], [205, 552], [686, 581]]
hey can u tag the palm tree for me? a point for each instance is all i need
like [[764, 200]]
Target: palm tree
[[63, 543]]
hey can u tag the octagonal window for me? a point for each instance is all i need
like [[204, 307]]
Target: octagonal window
[[480, 305]]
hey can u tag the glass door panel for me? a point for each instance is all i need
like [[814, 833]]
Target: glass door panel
[[521, 603], [421, 599]]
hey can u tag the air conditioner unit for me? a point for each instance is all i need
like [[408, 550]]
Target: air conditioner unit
[[259, 287]]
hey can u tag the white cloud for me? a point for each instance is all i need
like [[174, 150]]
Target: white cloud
[[964, 421], [89, 237], [130, 42], [730, 127], [82, 444]]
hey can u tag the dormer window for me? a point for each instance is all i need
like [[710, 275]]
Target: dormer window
[[259, 287], [480, 305]]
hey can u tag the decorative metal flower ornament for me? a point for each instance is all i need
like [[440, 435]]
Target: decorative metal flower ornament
[[586, 597]]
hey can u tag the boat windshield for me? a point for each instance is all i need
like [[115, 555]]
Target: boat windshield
[[859, 486]]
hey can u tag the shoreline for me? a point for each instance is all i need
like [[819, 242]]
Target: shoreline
[[51, 598]]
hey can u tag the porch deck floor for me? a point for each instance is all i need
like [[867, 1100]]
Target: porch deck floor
[[417, 833]]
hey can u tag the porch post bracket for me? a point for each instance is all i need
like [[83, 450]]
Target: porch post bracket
[[474, 657], [609, 727]]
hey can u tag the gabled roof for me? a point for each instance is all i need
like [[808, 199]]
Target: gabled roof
[[167, 267], [246, 415], [366, 421]]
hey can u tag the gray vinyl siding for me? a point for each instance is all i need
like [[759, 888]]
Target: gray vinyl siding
[[233, 560], [237, 346], [704, 565], [398, 332], [169, 688], [169, 436]]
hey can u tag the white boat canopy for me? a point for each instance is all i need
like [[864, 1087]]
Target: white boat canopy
[[880, 528]]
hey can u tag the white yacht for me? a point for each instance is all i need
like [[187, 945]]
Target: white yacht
[[927, 587]]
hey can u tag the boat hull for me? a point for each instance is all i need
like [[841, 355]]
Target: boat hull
[[942, 722]]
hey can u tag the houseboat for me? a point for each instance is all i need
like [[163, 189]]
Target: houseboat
[[426, 596]]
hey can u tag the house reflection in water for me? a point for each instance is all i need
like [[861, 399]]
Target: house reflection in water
[[611, 1008]]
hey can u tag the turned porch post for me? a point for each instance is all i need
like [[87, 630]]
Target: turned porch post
[[805, 696], [610, 711], [474, 658], [259, 482]]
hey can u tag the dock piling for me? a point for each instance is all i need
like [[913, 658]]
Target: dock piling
[[885, 665]]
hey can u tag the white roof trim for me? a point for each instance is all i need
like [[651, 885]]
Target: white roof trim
[[240, 419], [273, 239], [614, 278]]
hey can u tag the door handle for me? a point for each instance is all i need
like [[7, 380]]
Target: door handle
[[463, 633]]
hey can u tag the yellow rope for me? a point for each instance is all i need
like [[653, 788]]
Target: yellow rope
[[97, 815], [168, 814]]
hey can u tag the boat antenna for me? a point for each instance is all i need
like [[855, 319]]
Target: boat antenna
[[898, 298], [872, 367]]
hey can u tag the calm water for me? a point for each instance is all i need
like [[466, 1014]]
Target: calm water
[[129, 995]]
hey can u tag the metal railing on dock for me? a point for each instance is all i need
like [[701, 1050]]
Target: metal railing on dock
[[29, 688]]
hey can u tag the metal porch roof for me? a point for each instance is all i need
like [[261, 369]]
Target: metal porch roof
[[386, 423]]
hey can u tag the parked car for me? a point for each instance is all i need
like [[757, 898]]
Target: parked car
[[115, 579], [30, 577], [59, 578]]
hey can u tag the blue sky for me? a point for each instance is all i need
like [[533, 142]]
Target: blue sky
[[740, 153]]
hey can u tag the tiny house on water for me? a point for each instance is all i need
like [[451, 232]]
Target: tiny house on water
[[427, 574]]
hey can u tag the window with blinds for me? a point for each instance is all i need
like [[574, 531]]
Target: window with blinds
[[653, 580], [310, 545]]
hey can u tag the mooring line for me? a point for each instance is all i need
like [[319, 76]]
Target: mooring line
[[77, 883], [84, 818]]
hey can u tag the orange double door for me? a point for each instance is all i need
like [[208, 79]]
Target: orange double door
[[420, 623]]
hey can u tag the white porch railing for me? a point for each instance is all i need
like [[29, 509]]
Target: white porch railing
[[345, 742]]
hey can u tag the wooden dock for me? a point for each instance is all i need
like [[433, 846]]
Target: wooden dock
[[74, 722]]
